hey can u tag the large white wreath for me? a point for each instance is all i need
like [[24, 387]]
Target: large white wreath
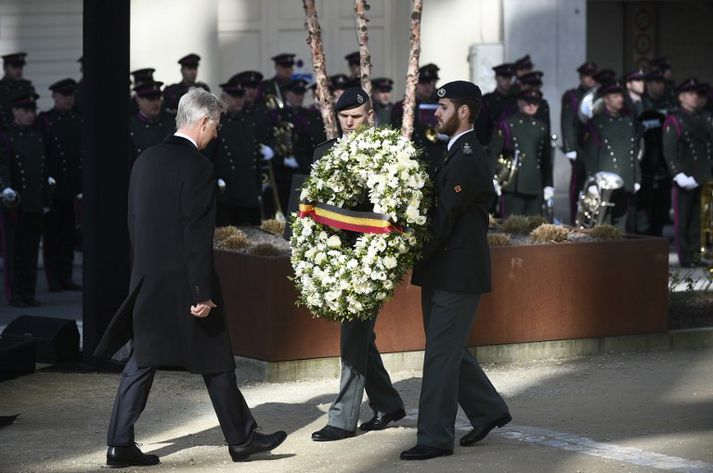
[[339, 281]]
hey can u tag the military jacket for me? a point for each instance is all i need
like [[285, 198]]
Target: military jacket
[[637, 108], [172, 95], [424, 133], [382, 114], [612, 144], [23, 166], [572, 127], [270, 87], [302, 144], [495, 106], [687, 141], [528, 137], [237, 161], [62, 133], [145, 133], [7, 87]]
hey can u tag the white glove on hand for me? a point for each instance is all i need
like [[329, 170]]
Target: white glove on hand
[[442, 137], [548, 192], [267, 153], [692, 183], [680, 179], [51, 181], [498, 189], [637, 187], [9, 194], [593, 191], [291, 162], [571, 155]]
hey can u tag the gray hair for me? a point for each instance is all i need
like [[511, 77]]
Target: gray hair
[[197, 104]]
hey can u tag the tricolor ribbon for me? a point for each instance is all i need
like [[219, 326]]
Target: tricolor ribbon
[[352, 220]]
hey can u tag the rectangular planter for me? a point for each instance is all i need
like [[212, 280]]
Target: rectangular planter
[[540, 293]]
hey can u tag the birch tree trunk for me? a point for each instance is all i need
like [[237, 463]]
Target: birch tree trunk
[[412, 74], [360, 8], [325, 97]]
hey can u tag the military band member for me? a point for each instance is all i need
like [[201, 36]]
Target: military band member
[[521, 66], [338, 83], [13, 67], [523, 138], [148, 126], [663, 64], [573, 130], [687, 142], [284, 67], [496, 104], [533, 81], [25, 184], [189, 75], [635, 100], [362, 368], [140, 77], [453, 273], [354, 63], [236, 157], [653, 201], [425, 135], [381, 97], [603, 76], [656, 92], [61, 129], [612, 145]]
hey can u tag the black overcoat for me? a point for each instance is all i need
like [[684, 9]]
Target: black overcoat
[[457, 257], [171, 223]]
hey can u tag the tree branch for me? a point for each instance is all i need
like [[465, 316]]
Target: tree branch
[[412, 74]]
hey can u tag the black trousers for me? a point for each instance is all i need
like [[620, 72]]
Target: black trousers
[[58, 247], [22, 232], [235, 215], [687, 224], [236, 421]]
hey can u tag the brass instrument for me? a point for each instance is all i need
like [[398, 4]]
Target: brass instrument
[[591, 209], [426, 116], [431, 134], [506, 168], [590, 105], [707, 222], [283, 146], [10, 198]]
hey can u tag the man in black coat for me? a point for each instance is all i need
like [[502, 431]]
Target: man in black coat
[[453, 273], [170, 313]]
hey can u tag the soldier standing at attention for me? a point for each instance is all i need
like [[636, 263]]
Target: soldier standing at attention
[[573, 132], [338, 83], [354, 63], [61, 129], [533, 81], [523, 138], [148, 126], [12, 80], [381, 97], [23, 171], [612, 145], [141, 77], [189, 73], [687, 143], [496, 104], [656, 92], [521, 67], [284, 67], [635, 102]]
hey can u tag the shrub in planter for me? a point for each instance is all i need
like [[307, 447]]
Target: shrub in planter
[[276, 227], [498, 239], [606, 232], [549, 233]]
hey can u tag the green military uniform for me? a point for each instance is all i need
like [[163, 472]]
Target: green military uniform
[[144, 132], [62, 133], [382, 111], [23, 169], [172, 93], [7, 89], [572, 140], [526, 136], [495, 107], [687, 148], [612, 145]]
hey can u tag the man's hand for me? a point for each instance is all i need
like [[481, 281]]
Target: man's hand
[[202, 309], [571, 155], [266, 152], [291, 162], [548, 192]]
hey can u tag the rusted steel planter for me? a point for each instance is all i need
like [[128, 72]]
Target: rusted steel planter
[[540, 292]]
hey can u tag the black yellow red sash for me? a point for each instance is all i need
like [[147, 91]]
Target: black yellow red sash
[[353, 220]]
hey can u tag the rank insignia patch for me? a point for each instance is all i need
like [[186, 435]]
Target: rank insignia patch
[[467, 149], [457, 188]]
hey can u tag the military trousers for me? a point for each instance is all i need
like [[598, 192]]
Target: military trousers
[[362, 370], [58, 243], [451, 375], [623, 213], [576, 182], [236, 215], [687, 224], [515, 203], [234, 417], [22, 232], [653, 203]]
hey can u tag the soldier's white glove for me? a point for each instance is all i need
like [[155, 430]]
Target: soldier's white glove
[[571, 155], [79, 196], [692, 183], [548, 192], [221, 185], [498, 189], [442, 137], [593, 191], [291, 162], [637, 187], [267, 152], [686, 182], [9, 195], [51, 181]]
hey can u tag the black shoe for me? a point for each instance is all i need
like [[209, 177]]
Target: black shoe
[[258, 443], [71, 286], [330, 433], [479, 433], [121, 457], [380, 421], [424, 452]]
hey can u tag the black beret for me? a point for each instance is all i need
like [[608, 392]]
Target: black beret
[[247, 78], [587, 69], [428, 73], [504, 70], [298, 86], [604, 75], [459, 89], [149, 89], [523, 63], [352, 98], [24, 97], [64, 86], [530, 95], [15, 59], [690, 84], [637, 74], [190, 60], [353, 58], [284, 59], [382, 84], [611, 87]]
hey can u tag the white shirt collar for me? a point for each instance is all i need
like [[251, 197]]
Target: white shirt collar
[[183, 135], [454, 138]]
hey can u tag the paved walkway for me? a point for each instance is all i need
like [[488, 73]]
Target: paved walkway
[[623, 413]]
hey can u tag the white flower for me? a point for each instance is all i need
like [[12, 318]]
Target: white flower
[[390, 262], [334, 241]]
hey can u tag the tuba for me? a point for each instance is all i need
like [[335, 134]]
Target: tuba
[[590, 105], [282, 132], [506, 168], [591, 209], [707, 222]]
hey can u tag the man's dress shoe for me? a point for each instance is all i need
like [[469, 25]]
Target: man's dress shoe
[[120, 457], [258, 443], [479, 433], [330, 433], [380, 421], [424, 452]]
